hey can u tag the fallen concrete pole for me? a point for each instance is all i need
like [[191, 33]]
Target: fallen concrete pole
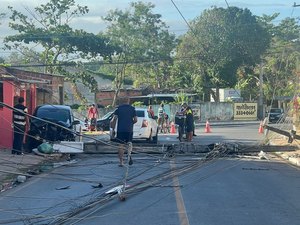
[[291, 135], [185, 147]]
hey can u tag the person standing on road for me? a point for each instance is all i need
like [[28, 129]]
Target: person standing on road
[[180, 121], [150, 111], [161, 116], [189, 122], [19, 126], [125, 117], [93, 115]]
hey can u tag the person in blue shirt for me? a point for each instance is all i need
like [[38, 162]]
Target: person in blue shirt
[[124, 117]]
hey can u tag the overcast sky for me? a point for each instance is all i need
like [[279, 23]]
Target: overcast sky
[[190, 9]]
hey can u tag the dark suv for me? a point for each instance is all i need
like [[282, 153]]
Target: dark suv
[[104, 123], [275, 114], [42, 130]]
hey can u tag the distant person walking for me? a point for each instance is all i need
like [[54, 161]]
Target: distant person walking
[[180, 121], [189, 121], [19, 125], [161, 116], [124, 117], [93, 116], [150, 111]]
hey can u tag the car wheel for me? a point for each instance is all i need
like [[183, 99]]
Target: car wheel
[[155, 138], [150, 139]]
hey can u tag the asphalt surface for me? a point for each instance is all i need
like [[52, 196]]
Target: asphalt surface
[[73, 191], [12, 166], [225, 191]]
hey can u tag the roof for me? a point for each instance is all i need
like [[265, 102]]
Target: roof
[[9, 73], [160, 96], [65, 107]]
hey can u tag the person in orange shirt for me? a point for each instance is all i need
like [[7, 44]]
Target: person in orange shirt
[[93, 116]]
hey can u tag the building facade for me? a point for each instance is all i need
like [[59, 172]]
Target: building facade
[[35, 88]]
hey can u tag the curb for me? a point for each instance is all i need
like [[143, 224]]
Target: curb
[[295, 161], [292, 159], [228, 123]]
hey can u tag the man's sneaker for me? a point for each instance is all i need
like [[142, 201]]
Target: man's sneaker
[[130, 161]]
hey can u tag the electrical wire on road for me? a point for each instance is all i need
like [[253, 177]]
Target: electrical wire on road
[[143, 185], [97, 200]]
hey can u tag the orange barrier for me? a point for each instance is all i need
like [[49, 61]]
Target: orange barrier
[[173, 130], [207, 127]]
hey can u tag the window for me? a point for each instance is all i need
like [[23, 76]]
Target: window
[[140, 113]]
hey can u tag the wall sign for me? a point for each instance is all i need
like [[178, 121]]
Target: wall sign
[[245, 111]]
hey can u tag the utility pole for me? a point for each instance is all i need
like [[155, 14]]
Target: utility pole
[[296, 119], [296, 5], [261, 94]]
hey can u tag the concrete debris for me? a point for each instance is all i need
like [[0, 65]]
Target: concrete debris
[[21, 179], [263, 155], [116, 190], [69, 147]]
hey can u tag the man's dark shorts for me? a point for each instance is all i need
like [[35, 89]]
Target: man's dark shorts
[[124, 137], [189, 126]]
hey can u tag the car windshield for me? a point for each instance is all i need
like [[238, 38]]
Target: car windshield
[[275, 110], [54, 114], [140, 113], [107, 115]]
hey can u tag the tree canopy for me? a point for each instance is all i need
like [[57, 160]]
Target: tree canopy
[[145, 42], [48, 26], [222, 40], [280, 61], [224, 47]]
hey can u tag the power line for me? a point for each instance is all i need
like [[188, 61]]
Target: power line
[[183, 17], [227, 3], [296, 5]]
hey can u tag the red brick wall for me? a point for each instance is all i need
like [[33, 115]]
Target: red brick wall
[[105, 97], [6, 132]]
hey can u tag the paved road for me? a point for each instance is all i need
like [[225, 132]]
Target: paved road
[[245, 133], [162, 190]]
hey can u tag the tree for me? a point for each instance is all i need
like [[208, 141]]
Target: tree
[[146, 45], [280, 61], [48, 26], [2, 15], [222, 40]]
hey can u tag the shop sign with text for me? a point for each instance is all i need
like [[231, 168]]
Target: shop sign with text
[[245, 111]]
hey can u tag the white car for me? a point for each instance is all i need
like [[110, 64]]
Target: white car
[[145, 127]]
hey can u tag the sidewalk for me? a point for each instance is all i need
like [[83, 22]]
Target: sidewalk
[[292, 157], [12, 166], [228, 123]]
